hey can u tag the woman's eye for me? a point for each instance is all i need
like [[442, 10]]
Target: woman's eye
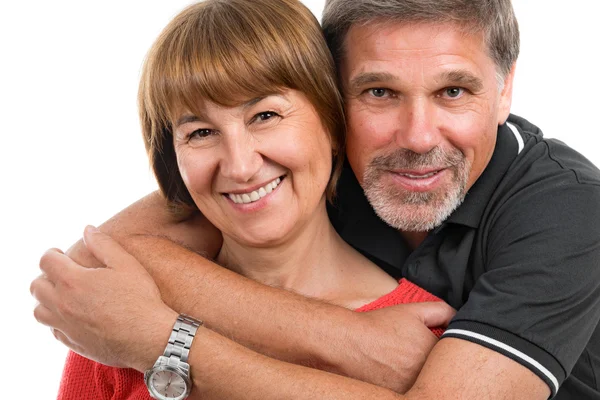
[[265, 116], [200, 133]]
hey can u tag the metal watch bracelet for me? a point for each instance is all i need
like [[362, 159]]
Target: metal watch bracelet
[[181, 338]]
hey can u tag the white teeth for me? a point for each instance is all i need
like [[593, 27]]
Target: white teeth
[[420, 176], [255, 195]]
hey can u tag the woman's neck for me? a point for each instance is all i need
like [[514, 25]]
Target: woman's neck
[[305, 262]]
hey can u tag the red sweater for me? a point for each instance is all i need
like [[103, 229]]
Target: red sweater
[[84, 379]]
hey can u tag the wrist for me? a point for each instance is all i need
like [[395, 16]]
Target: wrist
[[154, 338], [170, 377]]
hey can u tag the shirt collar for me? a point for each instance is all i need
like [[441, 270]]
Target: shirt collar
[[508, 145]]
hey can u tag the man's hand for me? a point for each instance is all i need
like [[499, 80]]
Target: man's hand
[[401, 359], [113, 315]]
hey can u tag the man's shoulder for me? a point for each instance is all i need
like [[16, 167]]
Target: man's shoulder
[[547, 184], [547, 158]]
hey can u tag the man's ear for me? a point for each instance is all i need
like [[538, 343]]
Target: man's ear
[[506, 96]]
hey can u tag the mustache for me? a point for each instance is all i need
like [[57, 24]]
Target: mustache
[[408, 159]]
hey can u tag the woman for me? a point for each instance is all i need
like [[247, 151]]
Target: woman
[[243, 122]]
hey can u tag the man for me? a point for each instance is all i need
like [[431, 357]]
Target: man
[[500, 223]]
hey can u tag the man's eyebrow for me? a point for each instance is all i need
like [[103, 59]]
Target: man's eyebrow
[[462, 77], [366, 78]]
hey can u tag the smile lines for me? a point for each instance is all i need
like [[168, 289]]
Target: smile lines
[[255, 195]]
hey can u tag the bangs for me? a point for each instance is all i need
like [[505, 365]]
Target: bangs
[[222, 52], [228, 52]]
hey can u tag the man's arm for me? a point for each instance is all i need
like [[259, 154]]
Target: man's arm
[[456, 369], [386, 347], [110, 302], [153, 216]]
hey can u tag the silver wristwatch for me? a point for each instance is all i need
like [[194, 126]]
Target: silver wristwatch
[[169, 378]]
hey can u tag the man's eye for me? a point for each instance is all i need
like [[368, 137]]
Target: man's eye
[[265, 116], [379, 92], [453, 92]]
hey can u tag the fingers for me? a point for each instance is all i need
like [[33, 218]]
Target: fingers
[[45, 316], [106, 249], [433, 314], [55, 264], [42, 289]]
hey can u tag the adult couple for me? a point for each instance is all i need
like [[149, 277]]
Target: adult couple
[[427, 92]]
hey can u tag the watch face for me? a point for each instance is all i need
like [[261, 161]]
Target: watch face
[[168, 384]]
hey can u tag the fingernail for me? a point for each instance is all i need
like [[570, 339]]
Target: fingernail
[[91, 229]]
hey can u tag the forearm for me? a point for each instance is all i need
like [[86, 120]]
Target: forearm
[[281, 324], [222, 369]]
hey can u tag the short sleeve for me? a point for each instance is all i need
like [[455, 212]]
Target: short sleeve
[[538, 301]]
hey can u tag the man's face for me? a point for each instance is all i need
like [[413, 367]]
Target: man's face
[[423, 104]]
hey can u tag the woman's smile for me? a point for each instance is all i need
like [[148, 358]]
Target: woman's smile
[[254, 195]]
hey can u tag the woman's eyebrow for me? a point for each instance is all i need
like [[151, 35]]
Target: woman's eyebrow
[[187, 118], [254, 101], [258, 99]]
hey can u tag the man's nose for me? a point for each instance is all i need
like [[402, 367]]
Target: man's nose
[[417, 130], [240, 160]]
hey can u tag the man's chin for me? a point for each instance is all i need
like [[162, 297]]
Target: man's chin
[[411, 220], [418, 212]]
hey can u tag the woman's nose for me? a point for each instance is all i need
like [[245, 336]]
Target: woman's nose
[[241, 160]]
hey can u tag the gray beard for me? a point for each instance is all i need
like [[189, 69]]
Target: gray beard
[[415, 211]]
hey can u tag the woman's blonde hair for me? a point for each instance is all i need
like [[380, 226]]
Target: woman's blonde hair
[[227, 52]]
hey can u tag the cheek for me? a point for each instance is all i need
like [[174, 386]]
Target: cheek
[[368, 133], [476, 139], [300, 146], [195, 171]]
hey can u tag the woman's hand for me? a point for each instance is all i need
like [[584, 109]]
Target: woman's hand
[[113, 315]]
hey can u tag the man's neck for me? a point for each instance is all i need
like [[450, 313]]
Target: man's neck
[[414, 239]]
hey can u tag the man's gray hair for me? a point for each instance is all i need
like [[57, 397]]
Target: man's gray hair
[[495, 18]]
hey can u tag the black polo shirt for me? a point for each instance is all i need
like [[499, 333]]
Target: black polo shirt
[[519, 259]]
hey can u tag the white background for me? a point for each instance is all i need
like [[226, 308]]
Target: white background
[[71, 152]]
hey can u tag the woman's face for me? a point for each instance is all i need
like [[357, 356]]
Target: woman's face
[[257, 171]]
